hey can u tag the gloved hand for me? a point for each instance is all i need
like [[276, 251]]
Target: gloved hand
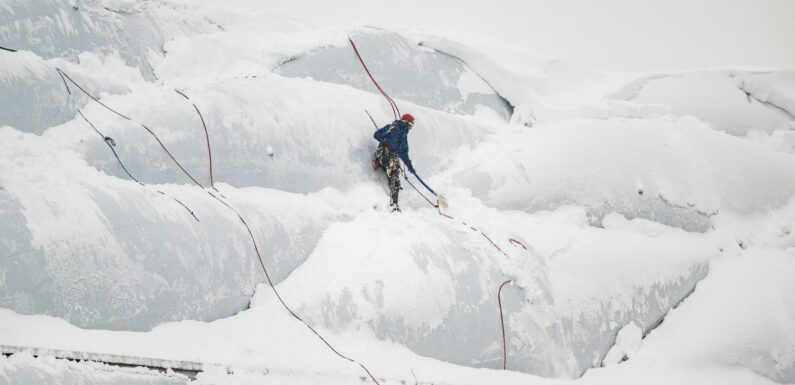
[[411, 170]]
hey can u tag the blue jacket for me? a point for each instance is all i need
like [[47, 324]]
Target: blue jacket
[[395, 137]]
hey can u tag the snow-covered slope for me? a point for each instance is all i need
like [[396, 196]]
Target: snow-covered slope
[[715, 97], [604, 198]]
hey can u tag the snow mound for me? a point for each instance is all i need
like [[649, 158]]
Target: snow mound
[[53, 28], [737, 319], [715, 97], [431, 284], [41, 98], [108, 253], [604, 165], [405, 71], [33, 93], [627, 344]]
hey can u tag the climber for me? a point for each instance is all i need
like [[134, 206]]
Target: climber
[[392, 146]]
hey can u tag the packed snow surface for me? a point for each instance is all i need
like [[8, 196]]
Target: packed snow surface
[[615, 228]]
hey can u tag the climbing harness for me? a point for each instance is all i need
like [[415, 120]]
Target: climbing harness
[[218, 198]]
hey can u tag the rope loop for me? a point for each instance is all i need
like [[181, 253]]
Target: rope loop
[[502, 325]]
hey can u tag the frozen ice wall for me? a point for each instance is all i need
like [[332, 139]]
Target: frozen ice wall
[[405, 71], [33, 95], [104, 252], [65, 29], [47, 32]]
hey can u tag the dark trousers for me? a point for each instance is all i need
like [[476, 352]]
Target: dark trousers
[[389, 162]]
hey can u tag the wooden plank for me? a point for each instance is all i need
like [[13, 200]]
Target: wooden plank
[[186, 368]]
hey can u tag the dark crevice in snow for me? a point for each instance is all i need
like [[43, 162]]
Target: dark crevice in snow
[[750, 95], [657, 209], [119, 11], [285, 61], [618, 341], [676, 305]]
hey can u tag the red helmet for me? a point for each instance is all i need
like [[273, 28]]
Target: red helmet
[[408, 118]]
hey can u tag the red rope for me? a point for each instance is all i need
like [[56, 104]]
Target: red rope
[[206, 136], [517, 243], [439, 210], [371, 118], [499, 292], [63, 74], [502, 324], [499, 298], [395, 110], [110, 143], [492, 242], [245, 224], [278, 296]]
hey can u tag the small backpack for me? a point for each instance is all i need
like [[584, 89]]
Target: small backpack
[[382, 133]]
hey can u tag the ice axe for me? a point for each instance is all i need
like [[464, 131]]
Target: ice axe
[[441, 201]]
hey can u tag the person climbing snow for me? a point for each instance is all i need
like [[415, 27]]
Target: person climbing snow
[[393, 146]]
